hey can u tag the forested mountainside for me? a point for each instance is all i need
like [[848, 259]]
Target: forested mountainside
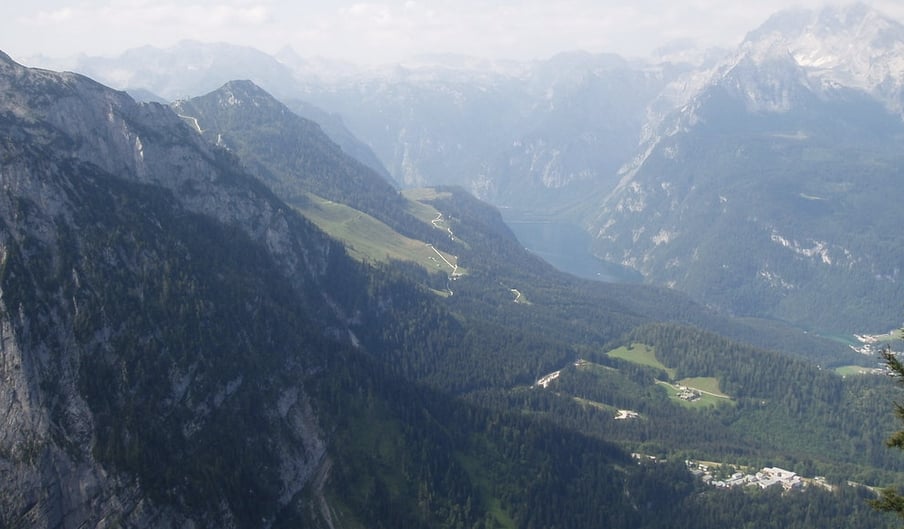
[[294, 156], [306, 170], [182, 348], [575, 314]]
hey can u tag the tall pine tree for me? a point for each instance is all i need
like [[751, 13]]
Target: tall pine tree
[[891, 500]]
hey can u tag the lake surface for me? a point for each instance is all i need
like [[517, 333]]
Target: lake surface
[[567, 247]]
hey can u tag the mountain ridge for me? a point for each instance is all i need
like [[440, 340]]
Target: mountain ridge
[[523, 150], [854, 47], [74, 237], [294, 156], [755, 156]]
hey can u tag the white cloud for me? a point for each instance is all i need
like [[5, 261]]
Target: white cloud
[[110, 27], [55, 16]]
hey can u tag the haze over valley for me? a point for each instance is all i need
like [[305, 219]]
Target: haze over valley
[[264, 286], [635, 153]]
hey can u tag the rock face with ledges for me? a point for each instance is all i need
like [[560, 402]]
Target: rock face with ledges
[[160, 311], [760, 194]]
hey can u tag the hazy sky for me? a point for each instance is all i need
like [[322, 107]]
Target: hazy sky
[[383, 31]]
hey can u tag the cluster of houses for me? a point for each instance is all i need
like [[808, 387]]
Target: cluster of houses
[[688, 394], [869, 345], [765, 478]]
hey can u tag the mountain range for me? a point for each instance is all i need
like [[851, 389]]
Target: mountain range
[[635, 152], [182, 347], [215, 314]]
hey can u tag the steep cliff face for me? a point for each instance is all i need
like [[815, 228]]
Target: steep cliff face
[[160, 312]]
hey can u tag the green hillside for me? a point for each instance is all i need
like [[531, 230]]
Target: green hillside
[[368, 239], [470, 359]]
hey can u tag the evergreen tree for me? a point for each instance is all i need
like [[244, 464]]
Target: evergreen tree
[[891, 500]]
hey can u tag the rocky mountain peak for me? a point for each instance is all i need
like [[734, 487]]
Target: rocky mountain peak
[[767, 80], [245, 87], [799, 54], [5, 59], [833, 37], [855, 19], [807, 81], [854, 47], [187, 69], [245, 92]]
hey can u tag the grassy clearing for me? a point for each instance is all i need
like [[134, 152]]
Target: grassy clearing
[[428, 213], [424, 193], [707, 388], [853, 370], [420, 210], [846, 339], [368, 239], [706, 384], [705, 400], [639, 353], [897, 334]]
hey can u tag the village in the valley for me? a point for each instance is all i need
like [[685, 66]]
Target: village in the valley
[[721, 475], [872, 344], [713, 475]]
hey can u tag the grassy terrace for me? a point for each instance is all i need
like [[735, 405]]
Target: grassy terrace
[[852, 370], [641, 354], [368, 239], [706, 387], [703, 387]]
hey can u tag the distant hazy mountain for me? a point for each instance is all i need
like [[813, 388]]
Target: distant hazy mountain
[[808, 100], [535, 136], [334, 127], [295, 159], [191, 68], [854, 47], [775, 190], [188, 69], [146, 96]]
